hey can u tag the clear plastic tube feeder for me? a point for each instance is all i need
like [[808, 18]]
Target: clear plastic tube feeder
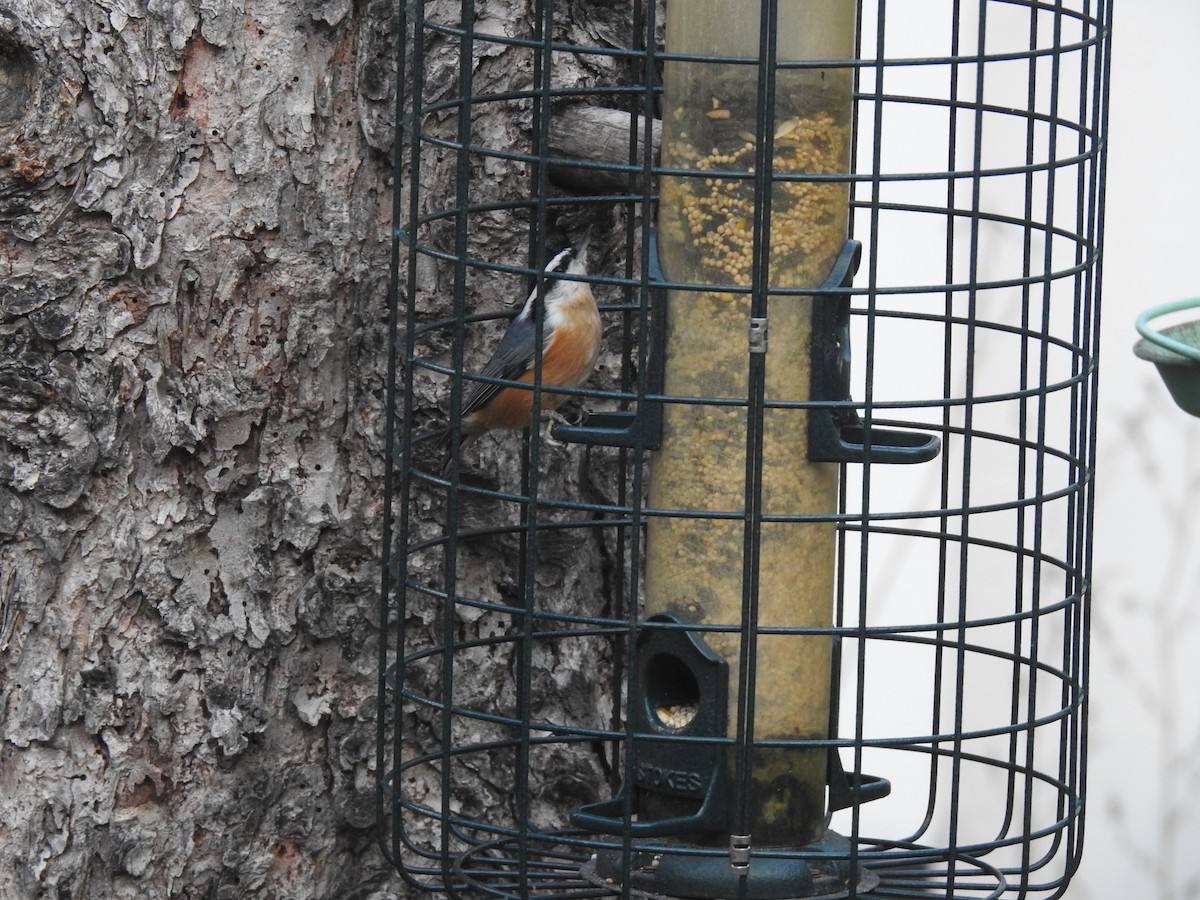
[[728, 112]]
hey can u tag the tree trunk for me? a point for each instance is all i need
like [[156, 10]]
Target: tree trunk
[[196, 207]]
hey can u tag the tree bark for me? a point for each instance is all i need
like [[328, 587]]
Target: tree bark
[[598, 135], [195, 201]]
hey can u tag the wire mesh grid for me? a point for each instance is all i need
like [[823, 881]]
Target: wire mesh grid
[[522, 682]]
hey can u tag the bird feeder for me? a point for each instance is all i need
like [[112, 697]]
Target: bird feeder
[[753, 218], [742, 222], [798, 608], [1175, 352]]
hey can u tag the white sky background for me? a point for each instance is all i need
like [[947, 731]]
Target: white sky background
[[1143, 827], [1143, 799]]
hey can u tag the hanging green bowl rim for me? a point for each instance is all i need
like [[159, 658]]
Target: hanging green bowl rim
[[1162, 340]]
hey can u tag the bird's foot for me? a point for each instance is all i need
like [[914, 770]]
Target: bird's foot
[[558, 418]]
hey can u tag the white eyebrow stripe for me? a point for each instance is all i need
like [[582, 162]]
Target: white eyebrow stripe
[[527, 309]]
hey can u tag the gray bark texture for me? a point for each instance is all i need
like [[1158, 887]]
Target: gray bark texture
[[195, 215], [195, 212]]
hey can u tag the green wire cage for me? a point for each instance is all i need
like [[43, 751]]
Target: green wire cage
[[791, 597]]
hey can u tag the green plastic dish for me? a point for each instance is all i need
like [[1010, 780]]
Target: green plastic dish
[[1175, 352]]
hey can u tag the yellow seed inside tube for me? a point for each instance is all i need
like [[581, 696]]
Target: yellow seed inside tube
[[804, 231]]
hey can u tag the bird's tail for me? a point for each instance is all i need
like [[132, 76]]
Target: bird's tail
[[441, 439]]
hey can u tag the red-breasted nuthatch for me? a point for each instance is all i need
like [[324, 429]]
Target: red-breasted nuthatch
[[571, 334]]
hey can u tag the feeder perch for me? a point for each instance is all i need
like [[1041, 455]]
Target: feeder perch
[[1175, 352]]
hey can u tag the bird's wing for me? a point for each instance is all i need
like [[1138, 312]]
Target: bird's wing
[[514, 355], [511, 360]]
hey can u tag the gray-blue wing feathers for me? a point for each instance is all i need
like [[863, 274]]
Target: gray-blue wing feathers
[[511, 360]]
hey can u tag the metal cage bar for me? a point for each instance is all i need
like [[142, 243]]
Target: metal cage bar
[[518, 670]]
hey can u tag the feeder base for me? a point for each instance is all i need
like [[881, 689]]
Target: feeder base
[[819, 871]]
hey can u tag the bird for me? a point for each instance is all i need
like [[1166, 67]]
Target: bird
[[571, 334]]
